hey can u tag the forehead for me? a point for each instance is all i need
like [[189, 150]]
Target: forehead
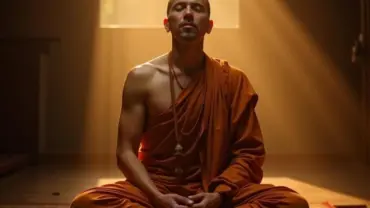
[[203, 2]]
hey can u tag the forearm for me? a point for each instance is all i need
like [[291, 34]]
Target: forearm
[[136, 173]]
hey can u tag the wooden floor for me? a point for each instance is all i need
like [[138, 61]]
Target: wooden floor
[[319, 179]]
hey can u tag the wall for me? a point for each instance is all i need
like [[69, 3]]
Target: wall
[[297, 56], [74, 23]]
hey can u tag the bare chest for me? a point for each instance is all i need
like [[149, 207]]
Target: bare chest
[[159, 93]]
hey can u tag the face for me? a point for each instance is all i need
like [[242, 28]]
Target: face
[[188, 20]]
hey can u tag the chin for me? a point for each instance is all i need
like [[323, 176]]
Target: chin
[[188, 37]]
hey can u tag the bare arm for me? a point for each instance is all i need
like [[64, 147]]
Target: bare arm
[[131, 126]]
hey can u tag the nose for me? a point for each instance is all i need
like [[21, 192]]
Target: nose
[[189, 16]]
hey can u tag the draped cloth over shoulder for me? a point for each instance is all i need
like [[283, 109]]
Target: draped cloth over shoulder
[[234, 152]]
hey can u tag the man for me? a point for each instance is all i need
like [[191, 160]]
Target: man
[[193, 121]]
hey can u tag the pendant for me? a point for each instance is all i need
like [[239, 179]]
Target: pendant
[[178, 149], [179, 171]]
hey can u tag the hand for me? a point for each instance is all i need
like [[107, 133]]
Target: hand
[[172, 201], [206, 200]]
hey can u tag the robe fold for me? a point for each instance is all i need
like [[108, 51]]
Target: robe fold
[[223, 147], [234, 152]]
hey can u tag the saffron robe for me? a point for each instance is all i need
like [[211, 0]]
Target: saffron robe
[[223, 148]]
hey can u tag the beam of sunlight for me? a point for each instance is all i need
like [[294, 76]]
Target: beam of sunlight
[[96, 132], [305, 106], [150, 13], [305, 99]]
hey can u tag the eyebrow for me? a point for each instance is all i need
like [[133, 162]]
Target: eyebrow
[[192, 3]]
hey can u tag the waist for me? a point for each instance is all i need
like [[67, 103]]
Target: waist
[[169, 160], [170, 176], [168, 167]]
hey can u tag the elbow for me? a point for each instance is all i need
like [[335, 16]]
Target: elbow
[[123, 159]]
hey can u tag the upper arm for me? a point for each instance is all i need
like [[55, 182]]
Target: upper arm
[[241, 89], [245, 126], [132, 117]]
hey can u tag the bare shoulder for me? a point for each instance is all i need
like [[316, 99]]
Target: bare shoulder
[[159, 63], [137, 84], [146, 71], [138, 75], [139, 78]]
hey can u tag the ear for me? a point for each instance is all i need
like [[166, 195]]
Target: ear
[[166, 25], [210, 27]]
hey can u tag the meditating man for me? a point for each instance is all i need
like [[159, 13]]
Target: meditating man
[[188, 131]]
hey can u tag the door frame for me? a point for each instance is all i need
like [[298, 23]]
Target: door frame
[[364, 58]]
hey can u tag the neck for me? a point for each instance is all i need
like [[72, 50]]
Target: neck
[[188, 57]]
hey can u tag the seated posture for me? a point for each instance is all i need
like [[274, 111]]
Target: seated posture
[[188, 132]]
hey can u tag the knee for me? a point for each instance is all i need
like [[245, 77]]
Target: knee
[[295, 200], [83, 200]]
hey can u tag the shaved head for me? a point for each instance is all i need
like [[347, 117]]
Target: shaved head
[[170, 2], [188, 20]]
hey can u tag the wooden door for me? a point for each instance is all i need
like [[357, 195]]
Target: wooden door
[[19, 104]]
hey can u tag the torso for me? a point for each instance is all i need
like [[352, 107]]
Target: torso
[[158, 100]]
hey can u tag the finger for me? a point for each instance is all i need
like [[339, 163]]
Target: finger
[[181, 206], [202, 204], [176, 205], [197, 197], [183, 200]]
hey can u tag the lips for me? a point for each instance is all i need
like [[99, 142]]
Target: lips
[[187, 25]]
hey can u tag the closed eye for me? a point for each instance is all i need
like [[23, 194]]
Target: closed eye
[[195, 7], [198, 7], [179, 7]]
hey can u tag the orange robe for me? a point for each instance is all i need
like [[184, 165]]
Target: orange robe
[[223, 148]]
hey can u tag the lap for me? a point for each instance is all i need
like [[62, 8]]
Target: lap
[[265, 195], [121, 194]]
